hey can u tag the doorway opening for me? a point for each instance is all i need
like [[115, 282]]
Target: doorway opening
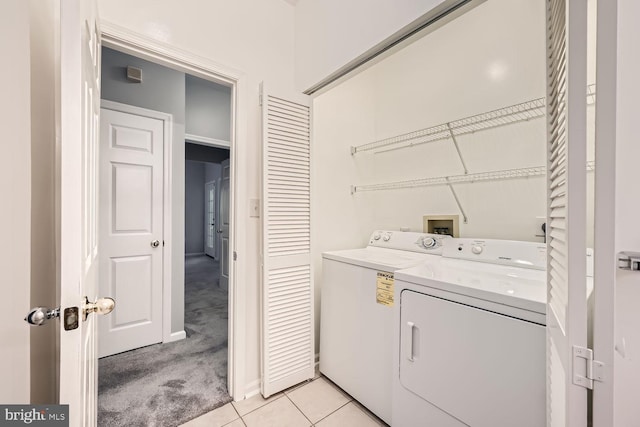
[[183, 371]]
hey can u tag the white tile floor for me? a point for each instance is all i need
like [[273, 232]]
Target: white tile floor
[[317, 403]]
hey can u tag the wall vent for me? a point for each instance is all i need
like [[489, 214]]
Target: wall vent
[[134, 75]]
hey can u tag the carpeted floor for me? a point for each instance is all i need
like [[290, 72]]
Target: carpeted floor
[[169, 384]]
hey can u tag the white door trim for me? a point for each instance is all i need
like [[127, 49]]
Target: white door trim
[[167, 120], [133, 43]]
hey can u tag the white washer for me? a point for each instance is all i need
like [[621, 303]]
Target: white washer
[[356, 318], [470, 337]]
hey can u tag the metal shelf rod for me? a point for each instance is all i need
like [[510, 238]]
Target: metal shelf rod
[[517, 113], [458, 179]]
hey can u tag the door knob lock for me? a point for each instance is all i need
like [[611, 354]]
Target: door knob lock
[[101, 306], [155, 243], [40, 315]]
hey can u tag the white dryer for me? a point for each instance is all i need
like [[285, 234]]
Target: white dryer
[[357, 310], [470, 337]]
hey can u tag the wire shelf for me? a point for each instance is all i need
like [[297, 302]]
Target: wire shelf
[[517, 113], [456, 179]]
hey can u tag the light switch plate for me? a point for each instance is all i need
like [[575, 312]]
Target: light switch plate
[[254, 208]]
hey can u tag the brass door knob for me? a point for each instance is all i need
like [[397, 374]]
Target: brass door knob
[[101, 306]]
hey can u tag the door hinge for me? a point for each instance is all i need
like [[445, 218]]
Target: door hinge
[[585, 369], [235, 255]]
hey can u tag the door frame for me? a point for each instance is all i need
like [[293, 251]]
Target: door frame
[[133, 43], [167, 139]]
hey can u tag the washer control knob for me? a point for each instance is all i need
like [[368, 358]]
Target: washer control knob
[[476, 249], [376, 236], [386, 237], [429, 242]]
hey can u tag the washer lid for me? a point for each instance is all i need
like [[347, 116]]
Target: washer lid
[[510, 286], [379, 258]]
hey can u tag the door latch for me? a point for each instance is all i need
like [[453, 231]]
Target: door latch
[[41, 315], [629, 261]]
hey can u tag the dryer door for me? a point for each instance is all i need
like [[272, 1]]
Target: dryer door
[[483, 368]]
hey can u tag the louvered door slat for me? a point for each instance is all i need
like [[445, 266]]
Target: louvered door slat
[[566, 208], [287, 287]]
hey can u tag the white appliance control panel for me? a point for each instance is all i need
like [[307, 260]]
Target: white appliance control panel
[[409, 241], [504, 252]]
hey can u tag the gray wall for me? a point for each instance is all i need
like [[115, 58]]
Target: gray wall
[[162, 89], [203, 153], [212, 172], [194, 207], [208, 109]]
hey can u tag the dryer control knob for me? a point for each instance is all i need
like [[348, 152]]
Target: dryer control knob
[[386, 237], [376, 236], [476, 249], [429, 242]]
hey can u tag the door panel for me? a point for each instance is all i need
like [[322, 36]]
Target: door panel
[[78, 159], [131, 219], [287, 273], [223, 230], [566, 209], [210, 219]]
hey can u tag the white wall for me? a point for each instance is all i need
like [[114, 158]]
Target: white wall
[[15, 187], [330, 33], [255, 37], [627, 286], [464, 68]]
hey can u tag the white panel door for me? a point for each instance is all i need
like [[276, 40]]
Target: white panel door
[[210, 219], [566, 211], [131, 245], [79, 119], [224, 218], [287, 276]]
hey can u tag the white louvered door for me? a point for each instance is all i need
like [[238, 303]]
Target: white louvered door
[[566, 214], [287, 279]]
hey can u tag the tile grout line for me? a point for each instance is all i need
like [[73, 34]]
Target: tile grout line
[[239, 416], [261, 406], [336, 410], [300, 410]]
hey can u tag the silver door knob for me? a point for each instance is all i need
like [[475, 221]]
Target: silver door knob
[[101, 306], [155, 243], [40, 315]]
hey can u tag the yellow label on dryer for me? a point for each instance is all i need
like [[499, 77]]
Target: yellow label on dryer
[[384, 288]]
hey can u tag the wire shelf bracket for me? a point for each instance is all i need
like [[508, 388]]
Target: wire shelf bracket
[[455, 197]]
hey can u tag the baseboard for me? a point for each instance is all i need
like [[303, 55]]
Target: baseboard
[[252, 389], [176, 336], [194, 254]]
